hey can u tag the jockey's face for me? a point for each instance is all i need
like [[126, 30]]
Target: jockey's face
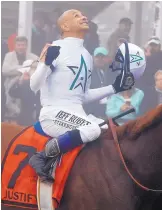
[[75, 22], [21, 47]]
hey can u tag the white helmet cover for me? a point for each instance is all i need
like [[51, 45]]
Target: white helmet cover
[[136, 59]]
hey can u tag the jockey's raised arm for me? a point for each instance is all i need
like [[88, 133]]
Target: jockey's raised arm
[[39, 77], [63, 78], [43, 70]]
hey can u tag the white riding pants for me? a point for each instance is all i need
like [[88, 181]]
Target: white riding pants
[[57, 121]]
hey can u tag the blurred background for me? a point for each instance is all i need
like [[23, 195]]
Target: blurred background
[[27, 26]]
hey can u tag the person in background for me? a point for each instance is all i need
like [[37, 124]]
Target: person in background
[[152, 47], [4, 50], [122, 31], [29, 101], [38, 40], [155, 45], [92, 39], [124, 101], [99, 79], [147, 83], [12, 62], [101, 74], [147, 50], [158, 85]]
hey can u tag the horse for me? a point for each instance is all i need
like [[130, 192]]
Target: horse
[[99, 180]]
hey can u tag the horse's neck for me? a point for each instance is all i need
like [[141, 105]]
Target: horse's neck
[[99, 164], [143, 156]]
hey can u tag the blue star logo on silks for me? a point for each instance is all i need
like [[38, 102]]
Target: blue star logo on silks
[[81, 76], [136, 58]]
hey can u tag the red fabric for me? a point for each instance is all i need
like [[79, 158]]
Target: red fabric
[[11, 42]]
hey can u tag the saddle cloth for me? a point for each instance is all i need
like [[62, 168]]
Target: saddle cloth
[[19, 180]]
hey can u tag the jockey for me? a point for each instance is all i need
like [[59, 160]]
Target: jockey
[[63, 79]]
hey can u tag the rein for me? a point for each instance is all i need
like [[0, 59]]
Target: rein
[[113, 130]]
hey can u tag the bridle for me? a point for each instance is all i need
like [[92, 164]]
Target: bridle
[[116, 141]]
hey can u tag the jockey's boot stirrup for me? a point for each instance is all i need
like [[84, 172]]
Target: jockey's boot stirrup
[[52, 148]]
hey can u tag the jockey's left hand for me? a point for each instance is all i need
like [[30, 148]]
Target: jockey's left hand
[[123, 82], [52, 53]]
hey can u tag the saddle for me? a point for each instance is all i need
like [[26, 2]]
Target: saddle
[[21, 186]]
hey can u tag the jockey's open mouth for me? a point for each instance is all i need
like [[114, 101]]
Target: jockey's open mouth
[[85, 22]]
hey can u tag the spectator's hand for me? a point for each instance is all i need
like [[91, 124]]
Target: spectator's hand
[[25, 76], [128, 103], [125, 107]]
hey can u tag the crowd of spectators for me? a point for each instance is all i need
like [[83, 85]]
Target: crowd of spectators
[[20, 105]]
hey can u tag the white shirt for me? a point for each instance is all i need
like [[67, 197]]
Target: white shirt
[[68, 83]]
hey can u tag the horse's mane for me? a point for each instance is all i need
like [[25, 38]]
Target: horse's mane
[[135, 128]]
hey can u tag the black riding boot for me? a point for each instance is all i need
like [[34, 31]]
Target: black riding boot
[[44, 162]]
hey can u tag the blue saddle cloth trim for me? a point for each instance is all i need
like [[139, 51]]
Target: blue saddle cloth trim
[[38, 129]]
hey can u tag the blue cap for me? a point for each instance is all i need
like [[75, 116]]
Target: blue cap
[[100, 50]]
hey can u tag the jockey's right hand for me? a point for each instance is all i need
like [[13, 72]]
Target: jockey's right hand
[[123, 82], [52, 53]]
